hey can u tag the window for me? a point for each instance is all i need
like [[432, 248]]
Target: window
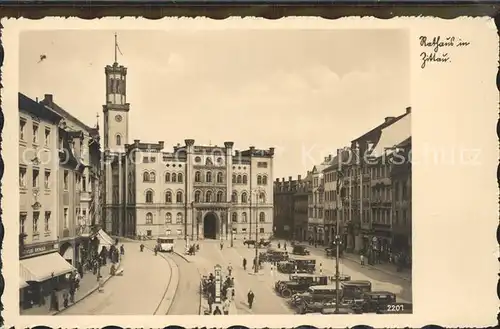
[[220, 196], [84, 213], [179, 177], [66, 219], [259, 180], [35, 134], [47, 221], [197, 159], [149, 196], [149, 233], [262, 197], [219, 177], [168, 218], [208, 196], [262, 217], [22, 126], [235, 230], [179, 231], [36, 217], [261, 230], [22, 177], [197, 177], [234, 197], [84, 184], [244, 217], [208, 177], [234, 178], [197, 196], [118, 140], [262, 164], [168, 231], [153, 159], [244, 230], [145, 177], [36, 172], [234, 217], [174, 178], [208, 162], [264, 180], [245, 179], [46, 181], [238, 179], [145, 160], [168, 197], [178, 218], [178, 197], [167, 177], [152, 177], [244, 197], [149, 218], [47, 137], [22, 222]]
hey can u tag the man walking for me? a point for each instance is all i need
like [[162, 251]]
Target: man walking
[[211, 301], [362, 259], [221, 245], [225, 306], [250, 298], [245, 264]]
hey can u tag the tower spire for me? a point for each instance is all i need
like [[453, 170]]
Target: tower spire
[[116, 48]]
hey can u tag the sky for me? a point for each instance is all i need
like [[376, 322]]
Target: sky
[[304, 92]]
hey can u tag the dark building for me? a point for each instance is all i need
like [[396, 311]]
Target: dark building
[[284, 207], [301, 207]]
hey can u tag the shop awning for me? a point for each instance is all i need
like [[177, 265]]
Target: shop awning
[[22, 283], [43, 267]]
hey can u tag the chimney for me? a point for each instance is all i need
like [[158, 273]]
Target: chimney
[[48, 99], [408, 109], [299, 178], [161, 143], [389, 119], [290, 178]]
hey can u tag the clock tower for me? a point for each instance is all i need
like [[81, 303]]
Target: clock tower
[[116, 109]]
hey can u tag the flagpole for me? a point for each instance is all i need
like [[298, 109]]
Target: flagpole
[[116, 48]]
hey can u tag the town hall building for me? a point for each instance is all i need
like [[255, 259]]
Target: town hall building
[[190, 192]]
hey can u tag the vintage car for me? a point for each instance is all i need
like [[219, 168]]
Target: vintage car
[[262, 243], [274, 255], [296, 265], [298, 283], [318, 293], [300, 250], [378, 301], [355, 290]]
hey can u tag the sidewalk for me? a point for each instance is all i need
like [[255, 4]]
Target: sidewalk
[[389, 269], [88, 284]]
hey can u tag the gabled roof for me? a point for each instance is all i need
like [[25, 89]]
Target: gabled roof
[[393, 135], [56, 108], [30, 106], [374, 134]]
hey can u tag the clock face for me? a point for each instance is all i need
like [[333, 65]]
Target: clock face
[[118, 118]]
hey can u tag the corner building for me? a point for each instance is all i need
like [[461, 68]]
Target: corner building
[[192, 192]]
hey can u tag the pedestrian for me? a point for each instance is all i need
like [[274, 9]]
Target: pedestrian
[[217, 311], [250, 298], [101, 284], [122, 250], [279, 245], [65, 299], [211, 301], [233, 293], [362, 259], [221, 245], [72, 294], [229, 269], [245, 264], [156, 250], [225, 306], [285, 246]]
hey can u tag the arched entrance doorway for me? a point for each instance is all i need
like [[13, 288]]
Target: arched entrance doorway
[[66, 251], [210, 226]]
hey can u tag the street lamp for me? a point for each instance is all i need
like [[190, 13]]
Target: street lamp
[[256, 192]]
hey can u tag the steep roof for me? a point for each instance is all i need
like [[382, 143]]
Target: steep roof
[[393, 135], [26, 104]]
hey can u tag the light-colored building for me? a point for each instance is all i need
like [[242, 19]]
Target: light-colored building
[[78, 146], [193, 191], [316, 211], [41, 267]]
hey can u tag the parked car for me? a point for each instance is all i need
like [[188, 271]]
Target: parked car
[[298, 283], [300, 250], [356, 289], [295, 265], [262, 243], [318, 293], [377, 301], [273, 255]]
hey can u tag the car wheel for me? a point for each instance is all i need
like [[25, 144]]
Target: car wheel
[[287, 293]]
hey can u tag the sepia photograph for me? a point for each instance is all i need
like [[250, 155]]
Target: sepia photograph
[[263, 170], [203, 173]]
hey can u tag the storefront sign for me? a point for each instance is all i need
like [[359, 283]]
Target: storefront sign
[[38, 249]]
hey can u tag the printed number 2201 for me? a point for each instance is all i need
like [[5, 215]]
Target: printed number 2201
[[395, 308]]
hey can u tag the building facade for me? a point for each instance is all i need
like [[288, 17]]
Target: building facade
[[301, 207], [79, 162], [316, 220], [401, 196], [284, 192], [191, 192]]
